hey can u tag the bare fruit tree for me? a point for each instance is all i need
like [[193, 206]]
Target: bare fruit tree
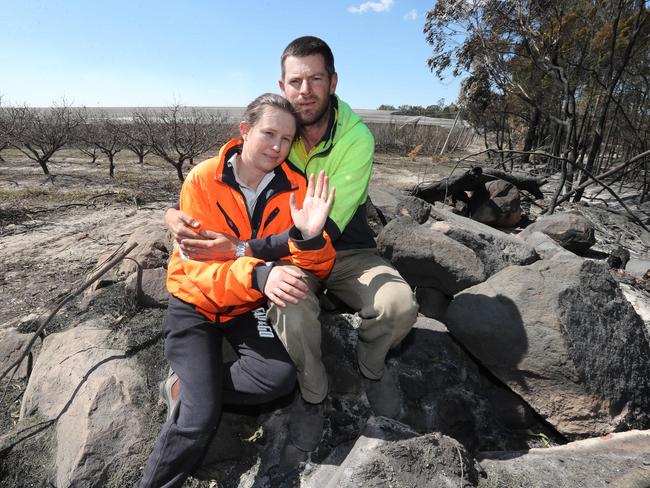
[[135, 139], [6, 129], [41, 132], [80, 142], [179, 134], [104, 133]]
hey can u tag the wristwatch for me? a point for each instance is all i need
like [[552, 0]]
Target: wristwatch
[[240, 250]]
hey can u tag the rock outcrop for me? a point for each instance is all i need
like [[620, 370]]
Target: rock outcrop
[[425, 257], [90, 390], [561, 335]]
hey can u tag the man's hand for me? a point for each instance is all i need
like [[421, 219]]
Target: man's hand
[[181, 225], [209, 245], [200, 245], [311, 218], [284, 284]]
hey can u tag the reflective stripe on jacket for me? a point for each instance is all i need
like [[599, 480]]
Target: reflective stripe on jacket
[[223, 289]]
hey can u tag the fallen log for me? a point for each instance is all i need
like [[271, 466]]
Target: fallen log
[[475, 179], [438, 191], [522, 181]]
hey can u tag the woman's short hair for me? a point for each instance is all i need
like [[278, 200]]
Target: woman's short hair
[[255, 109]]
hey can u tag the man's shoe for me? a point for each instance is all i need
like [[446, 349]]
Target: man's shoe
[[165, 388], [384, 396], [306, 424]]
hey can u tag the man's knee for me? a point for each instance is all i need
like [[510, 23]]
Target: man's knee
[[307, 307], [295, 320], [396, 303]]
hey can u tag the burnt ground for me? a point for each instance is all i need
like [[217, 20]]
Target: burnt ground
[[53, 232]]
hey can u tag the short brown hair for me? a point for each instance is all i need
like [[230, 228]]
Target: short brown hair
[[255, 109], [307, 46]]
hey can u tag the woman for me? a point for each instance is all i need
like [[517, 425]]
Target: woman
[[246, 191]]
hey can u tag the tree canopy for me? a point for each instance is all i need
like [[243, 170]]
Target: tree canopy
[[569, 77]]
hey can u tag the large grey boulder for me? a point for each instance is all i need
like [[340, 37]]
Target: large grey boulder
[[425, 257], [562, 336], [620, 460], [389, 453], [495, 249], [90, 390], [569, 229]]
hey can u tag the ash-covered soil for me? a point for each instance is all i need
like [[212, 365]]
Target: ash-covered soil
[[52, 231]]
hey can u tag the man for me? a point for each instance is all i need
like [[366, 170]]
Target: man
[[333, 139]]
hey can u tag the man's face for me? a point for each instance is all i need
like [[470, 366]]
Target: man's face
[[307, 87]]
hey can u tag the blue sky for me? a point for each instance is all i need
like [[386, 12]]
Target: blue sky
[[209, 53]]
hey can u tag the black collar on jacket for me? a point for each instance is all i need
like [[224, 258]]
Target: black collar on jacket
[[280, 183]]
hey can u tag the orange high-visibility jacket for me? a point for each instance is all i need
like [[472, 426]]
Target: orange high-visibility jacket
[[223, 289]]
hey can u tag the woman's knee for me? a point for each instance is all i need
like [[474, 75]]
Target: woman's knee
[[281, 379], [202, 415]]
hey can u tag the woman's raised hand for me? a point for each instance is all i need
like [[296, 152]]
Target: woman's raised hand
[[311, 218]]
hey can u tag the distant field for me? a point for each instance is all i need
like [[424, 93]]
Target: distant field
[[368, 116]]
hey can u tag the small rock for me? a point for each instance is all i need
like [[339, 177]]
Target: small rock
[[618, 258], [499, 206], [570, 229], [151, 251], [414, 207]]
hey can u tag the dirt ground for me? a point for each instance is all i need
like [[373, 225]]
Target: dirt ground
[[52, 232]]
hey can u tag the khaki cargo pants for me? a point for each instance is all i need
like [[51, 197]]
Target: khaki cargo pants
[[369, 285]]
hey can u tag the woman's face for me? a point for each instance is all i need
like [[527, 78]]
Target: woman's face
[[267, 143]]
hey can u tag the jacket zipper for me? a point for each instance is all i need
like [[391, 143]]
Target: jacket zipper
[[270, 218], [229, 221], [273, 213]]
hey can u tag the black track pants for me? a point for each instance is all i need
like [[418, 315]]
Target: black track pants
[[193, 346]]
